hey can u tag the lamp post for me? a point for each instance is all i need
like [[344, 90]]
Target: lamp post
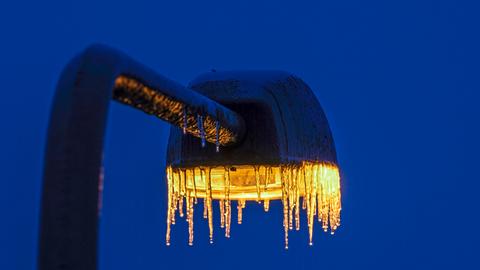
[[236, 136]]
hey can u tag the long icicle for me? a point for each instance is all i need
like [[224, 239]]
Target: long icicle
[[285, 205], [313, 204], [201, 129], [297, 197], [228, 205], [290, 195], [190, 223], [205, 200], [221, 206], [209, 200], [169, 203], [181, 195], [217, 136]]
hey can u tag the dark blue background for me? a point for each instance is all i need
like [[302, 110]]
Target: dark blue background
[[397, 79]]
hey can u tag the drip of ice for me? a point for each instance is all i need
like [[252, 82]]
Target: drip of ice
[[217, 141], [201, 130], [184, 120]]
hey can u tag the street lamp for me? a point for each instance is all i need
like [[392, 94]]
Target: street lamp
[[236, 136]]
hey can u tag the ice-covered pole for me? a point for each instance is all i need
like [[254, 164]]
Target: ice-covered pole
[[72, 180], [181, 107], [138, 86]]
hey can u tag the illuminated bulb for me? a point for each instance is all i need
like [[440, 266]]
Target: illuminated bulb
[[315, 184]]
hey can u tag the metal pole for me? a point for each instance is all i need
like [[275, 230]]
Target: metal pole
[[73, 157]]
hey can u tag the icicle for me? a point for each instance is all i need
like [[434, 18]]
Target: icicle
[[180, 206], [169, 203], [297, 198], [180, 191], [228, 206], [239, 213], [174, 208], [217, 136], [185, 123], [304, 201], [290, 198], [221, 206], [189, 210], [205, 200], [209, 204], [266, 205], [228, 218], [240, 206], [205, 207], [175, 194], [320, 202], [201, 129], [312, 206], [190, 222], [285, 205], [308, 180]]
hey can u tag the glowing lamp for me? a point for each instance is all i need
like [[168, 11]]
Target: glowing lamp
[[286, 153], [236, 137]]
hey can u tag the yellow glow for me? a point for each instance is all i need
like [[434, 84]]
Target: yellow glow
[[316, 184]]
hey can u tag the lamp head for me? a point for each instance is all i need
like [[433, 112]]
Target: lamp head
[[286, 153], [283, 118]]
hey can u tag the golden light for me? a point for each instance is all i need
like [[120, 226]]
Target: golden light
[[313, 187]]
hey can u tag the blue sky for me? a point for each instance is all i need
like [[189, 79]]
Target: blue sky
[[398, 81]]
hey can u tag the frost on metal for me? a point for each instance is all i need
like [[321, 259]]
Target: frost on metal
[[134, 93]]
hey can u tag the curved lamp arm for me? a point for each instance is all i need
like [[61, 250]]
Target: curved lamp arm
[[73, 157]]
